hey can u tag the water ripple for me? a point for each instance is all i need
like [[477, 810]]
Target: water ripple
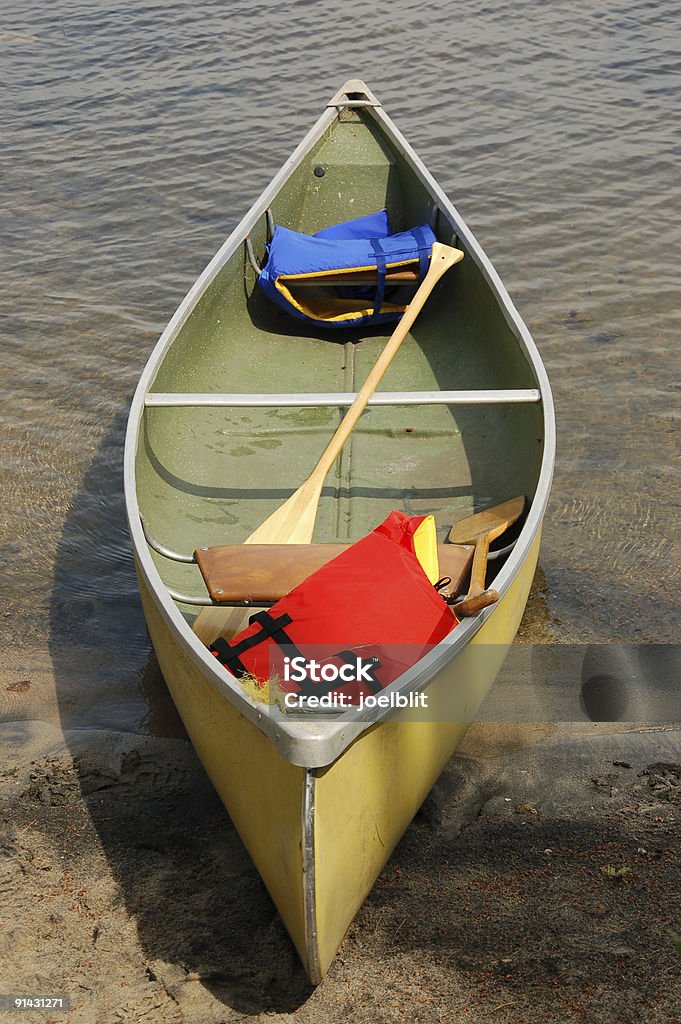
[[135, 138]]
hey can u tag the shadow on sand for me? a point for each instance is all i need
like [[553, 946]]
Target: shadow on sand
[[200, 910]]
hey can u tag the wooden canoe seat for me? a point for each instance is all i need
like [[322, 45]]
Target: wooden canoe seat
[[263, 573]]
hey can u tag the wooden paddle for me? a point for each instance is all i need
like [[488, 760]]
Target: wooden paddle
[[480, 529], [293, 522]]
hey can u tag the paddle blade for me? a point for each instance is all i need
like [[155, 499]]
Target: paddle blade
[[491, 522], [211, 623], [293, 522]]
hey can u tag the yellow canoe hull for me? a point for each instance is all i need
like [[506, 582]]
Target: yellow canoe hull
[[320, 837], [233, 410]]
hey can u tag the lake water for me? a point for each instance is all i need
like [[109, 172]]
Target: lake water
[[134, 139]]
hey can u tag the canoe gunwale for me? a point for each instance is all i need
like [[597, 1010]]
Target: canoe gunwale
[[309, 744]]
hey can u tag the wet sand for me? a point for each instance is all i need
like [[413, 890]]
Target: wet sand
[[539, 882]]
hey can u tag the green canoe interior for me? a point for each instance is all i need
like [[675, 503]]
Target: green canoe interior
[[210, 476]]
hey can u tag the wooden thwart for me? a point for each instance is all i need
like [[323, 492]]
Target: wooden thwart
[[261, 574]]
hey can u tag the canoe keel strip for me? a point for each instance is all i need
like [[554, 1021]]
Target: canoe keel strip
[[202, 421]]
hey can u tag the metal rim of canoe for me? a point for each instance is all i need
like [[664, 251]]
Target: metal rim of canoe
[[307, 744]]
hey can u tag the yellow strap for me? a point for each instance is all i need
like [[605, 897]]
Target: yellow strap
[[330, 309]]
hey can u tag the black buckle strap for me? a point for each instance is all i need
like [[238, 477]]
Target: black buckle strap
[[351, 657], [228, 653], [425, 250], [308, 688], [381, 267]]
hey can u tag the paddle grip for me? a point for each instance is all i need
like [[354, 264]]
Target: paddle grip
[[472, 605]]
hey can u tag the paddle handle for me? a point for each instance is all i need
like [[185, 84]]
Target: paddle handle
[[472, 605], [477, 597], [442, 258], [479, 567]]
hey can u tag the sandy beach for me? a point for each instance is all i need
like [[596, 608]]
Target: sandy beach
[[539, 882]]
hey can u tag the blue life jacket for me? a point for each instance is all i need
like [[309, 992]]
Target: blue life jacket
[[363, 244]]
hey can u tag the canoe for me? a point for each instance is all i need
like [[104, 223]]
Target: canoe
[[232, 411]]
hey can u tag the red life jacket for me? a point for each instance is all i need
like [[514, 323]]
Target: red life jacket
[[373, 601]]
